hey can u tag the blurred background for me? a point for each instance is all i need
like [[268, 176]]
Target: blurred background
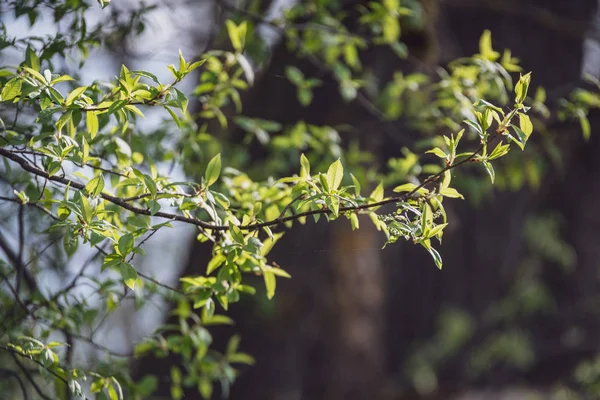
[[514, 314]]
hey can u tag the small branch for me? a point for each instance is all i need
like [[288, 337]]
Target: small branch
[[206, 225], [19, 260], [13, 374], [288, 206], [15, 353], [30, 378], [144, 195], [27, 166], [17, 264], [85, 339]]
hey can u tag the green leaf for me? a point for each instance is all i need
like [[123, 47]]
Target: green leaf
[[74, 95], [153, 206], [213, 170], [391, 28], [62, 121], [215, 263], [522, 137], [128, 274], [356, 184], [209, 308], [335, 173], [237, 34], [522, 87], [91, 120], [485, 47], [150, 184], [333, 203], [525, 124], [475, 126], [174, 116], [12, 89], [499, 151], [304, 166], [426, 218], [354, 221], [490, 170], [181, 99], [181, 62], [36, 75], [437, 259], [437, 230], [269, 278], [32, 59], [195, 65], [205, 387], [134, 109], [377, 194], [438, 152], [305, 96], [126, 244], [451, 192], [95, 186], [409, 187], [279, 272], [294, 75], [585, 125], [145, 74], [117, 387], [241, 358]]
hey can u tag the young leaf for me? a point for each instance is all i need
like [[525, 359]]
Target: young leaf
[[237, 34], [522, 87], [409, 187], [499, 151], [585, 125], [12, 89], [128, 274], [270, 283], [356, 184], [294, 75], [438, 152], [377, 194], [354, 221], [490, 170], [335, 173], [92, 123], [95, 186], [74, 95], [525, 124], [333, 204], [304, 167], [213, 170], [126, 244], [451, 192]]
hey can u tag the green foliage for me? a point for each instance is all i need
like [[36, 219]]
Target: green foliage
[[75, 157]]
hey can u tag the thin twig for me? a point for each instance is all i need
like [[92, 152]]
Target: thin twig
[[13, 374], [21, 232], [30, 378], [27, 356], [195, 221]]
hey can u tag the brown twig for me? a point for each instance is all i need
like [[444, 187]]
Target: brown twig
[[207, 225]]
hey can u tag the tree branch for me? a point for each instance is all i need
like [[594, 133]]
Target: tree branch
[[250, 227], [15, 353], [13, 374], [30, 378]]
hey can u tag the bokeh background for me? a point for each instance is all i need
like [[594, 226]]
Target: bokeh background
[[516, 310]]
